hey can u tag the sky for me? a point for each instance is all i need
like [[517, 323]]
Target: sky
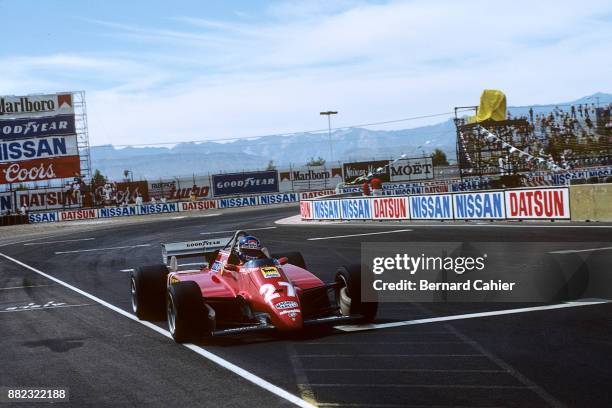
[[168, 71]]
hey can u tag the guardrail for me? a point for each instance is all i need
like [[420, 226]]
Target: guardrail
[[516, 204], [161, 208]]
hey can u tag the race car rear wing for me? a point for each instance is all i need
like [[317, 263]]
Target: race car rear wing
[[188, 249]]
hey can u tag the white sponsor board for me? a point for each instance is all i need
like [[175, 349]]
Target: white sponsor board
[[486, 205], [38, 148], [35, 105], [309, 178], [412, 169], [543, 203]]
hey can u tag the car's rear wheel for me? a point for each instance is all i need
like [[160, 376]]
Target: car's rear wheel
[[348, 294], [148, 287], [187, 315], [294, 258]]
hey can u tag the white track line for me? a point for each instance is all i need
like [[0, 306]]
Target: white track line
[[573, 251], [260, 382], [357, 327], [44, 308], [359, 235], [26, 287], [102, 249], [248, 230], [57, 242]]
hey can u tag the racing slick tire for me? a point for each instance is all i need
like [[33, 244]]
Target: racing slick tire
[[148, 286], [348, 294], [295, 258], [185, 311]]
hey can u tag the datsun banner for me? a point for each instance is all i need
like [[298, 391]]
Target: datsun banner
[[198, 205], [489, 205], [47, 199], [390, 208], [412, 169], [545, 203], [39, 169], [245, 183], [82, 214], [356, 208], [11, 129], [35, 105], [431, 207], [357, 169], [38, 148]]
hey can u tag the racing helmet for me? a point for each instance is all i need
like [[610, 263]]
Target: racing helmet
[[249, 248]]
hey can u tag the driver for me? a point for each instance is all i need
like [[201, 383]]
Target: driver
[[250, 248]]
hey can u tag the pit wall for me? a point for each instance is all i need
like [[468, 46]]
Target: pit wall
[[591, 202], [511, 204], [174, 207]]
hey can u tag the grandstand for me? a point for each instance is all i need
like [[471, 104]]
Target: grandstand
[[562, 138]]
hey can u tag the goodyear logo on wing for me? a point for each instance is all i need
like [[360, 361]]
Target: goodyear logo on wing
[[270, 272], [287, 304]]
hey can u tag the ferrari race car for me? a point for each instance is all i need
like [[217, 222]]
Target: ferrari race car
[[232, 295]]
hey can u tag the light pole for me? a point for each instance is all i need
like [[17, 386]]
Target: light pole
[[331, 149]]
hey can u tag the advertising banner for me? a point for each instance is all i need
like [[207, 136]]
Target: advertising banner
[[39, 169], [38, 148], [237, 202], [412, 169], [280, 198], [122, 193], [313, 194], [43, 217], [159, 208], [390, 208], [357, 169], [310, 178], [11, 129], [47, 199], [545, 203], [470, 206], [306, 210], [356, 208], [110, 212], [6, 202], [180, 188], [245, 183], [326, 210], [198, 205], [81, 214], [431, 207], [35, 105]]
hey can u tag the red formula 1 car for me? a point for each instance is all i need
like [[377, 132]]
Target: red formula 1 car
[[230, 296]]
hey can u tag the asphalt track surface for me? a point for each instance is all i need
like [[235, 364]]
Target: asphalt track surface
[[53, 336]]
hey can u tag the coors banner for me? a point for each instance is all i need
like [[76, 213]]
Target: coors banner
[[310, 178], [357, 169], [36, 105]]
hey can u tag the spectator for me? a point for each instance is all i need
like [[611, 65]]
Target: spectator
[[376, 186], [138, 199], [365, 187], [24, 210]]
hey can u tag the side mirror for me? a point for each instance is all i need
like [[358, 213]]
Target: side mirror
[[231, 267], [283, 260]]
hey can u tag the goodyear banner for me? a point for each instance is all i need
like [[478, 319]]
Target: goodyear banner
[[412, 169], [35, 105], [358, 169], [11, 129], [431, 207], [489, 205], [253, 182]]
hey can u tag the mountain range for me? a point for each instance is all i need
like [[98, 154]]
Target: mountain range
[[352, 144]]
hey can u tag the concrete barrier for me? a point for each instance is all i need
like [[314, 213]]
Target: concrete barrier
[[591, 202]]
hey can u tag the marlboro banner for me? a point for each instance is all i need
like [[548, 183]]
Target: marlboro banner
[[310, 178], [36, 105]]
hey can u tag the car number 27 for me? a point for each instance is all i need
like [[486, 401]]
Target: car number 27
[[269, 291]]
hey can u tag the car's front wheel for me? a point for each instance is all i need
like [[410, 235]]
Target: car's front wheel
[[187, 315], [348, 294]]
